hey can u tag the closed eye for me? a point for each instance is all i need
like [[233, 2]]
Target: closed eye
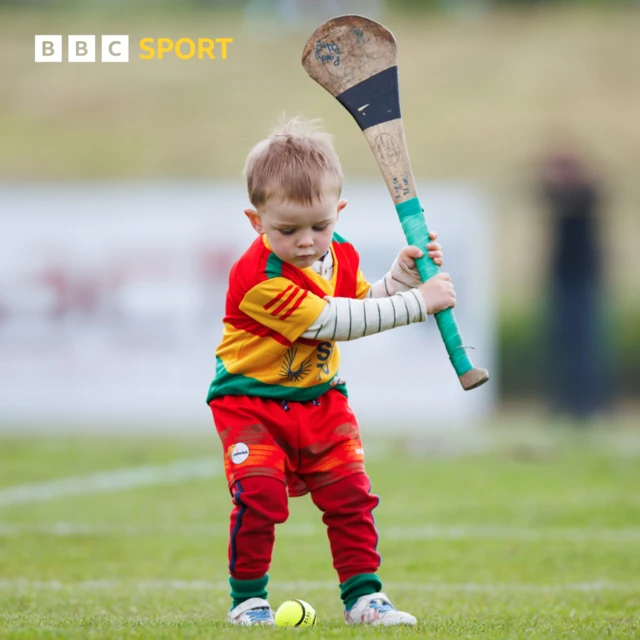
[[290, 232]]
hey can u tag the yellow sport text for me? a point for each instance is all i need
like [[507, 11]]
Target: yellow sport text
[[184, 48]]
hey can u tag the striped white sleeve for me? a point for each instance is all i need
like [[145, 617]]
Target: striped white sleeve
[[348, 319], [383, 288]]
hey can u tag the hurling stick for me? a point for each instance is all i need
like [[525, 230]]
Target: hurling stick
[[355, 60]]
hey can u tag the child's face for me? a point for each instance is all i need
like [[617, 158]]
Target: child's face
[[298, 233]]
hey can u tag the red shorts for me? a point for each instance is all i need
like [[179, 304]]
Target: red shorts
[[307, 445]]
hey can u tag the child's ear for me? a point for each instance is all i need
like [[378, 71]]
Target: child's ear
[[341, 205], [254, 219]]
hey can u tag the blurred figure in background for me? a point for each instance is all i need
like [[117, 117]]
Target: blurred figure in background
[[578, 364]]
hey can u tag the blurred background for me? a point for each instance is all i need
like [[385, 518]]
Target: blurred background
[[121, 205], [510, 510]]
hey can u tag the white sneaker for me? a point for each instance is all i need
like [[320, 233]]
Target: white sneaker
[[376, 609], [253, 611]]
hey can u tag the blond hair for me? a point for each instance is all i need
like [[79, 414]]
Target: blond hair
[[297, 162]]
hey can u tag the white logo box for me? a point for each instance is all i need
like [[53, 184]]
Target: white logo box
[[82, 48]]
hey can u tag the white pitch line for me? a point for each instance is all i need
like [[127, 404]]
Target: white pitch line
[[181, 471], [64, 529], [108, 481], [523, 534], [432, 532], [205, 585]]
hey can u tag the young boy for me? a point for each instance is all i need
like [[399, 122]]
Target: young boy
[[278, 403]]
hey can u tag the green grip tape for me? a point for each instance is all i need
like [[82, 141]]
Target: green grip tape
[[416, 231]]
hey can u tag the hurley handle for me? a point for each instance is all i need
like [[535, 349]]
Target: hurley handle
[[415, 230]]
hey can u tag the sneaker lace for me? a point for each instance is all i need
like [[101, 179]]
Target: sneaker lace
[[259, 614], [381, 606]]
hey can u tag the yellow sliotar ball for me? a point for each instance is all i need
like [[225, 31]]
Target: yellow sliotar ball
[[296, 613]]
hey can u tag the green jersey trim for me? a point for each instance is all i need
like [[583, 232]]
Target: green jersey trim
[[274, 266], [230, 384], [339, 239]]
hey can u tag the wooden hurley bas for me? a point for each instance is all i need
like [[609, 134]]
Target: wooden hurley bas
[[355, 60]]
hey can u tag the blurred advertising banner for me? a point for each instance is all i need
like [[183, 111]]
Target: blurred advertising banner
[[112, 295]]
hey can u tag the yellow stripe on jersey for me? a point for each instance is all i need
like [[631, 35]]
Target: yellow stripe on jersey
[[272, 363], [362, 286]]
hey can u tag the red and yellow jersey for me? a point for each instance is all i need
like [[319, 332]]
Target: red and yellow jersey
[[270, 304]]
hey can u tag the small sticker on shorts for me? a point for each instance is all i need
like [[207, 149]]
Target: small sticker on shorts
[[239, 453]]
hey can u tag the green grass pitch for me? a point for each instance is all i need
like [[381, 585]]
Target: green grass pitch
[[495, 537]]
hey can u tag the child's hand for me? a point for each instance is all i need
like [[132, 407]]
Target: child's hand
[[438, 293], [408, 255], [404, 270], [434, 250]]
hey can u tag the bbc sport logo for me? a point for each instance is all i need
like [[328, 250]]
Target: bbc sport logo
[[116, 48]]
